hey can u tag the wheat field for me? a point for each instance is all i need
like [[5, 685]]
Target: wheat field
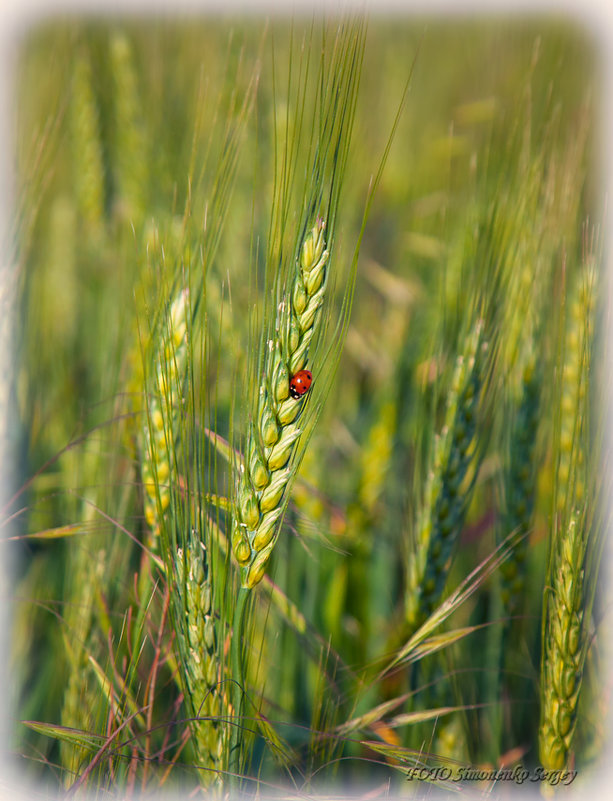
[[308, 483]]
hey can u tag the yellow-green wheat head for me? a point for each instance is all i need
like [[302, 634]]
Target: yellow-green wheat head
[[274, 430], [160, 428]]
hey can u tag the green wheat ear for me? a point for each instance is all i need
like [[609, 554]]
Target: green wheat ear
[[87, 148], [85, 576], [130, 144], [274, 432], [203, 671], [454, 461], [520, 481]]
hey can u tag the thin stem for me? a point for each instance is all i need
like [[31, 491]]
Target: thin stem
[[238, 688]]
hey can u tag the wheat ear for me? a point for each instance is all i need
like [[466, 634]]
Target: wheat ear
[[520, 486], [161, 424], [565, 605], [446, 498], [375, 461], [563, 648], [274, 432], [575, 377], [202, 673], [87, 149], [130, 145], [86, 562]]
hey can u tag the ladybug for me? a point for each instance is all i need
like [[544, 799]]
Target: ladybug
[[300, 383]]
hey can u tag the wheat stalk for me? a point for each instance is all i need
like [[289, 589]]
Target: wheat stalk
[[274, 434]]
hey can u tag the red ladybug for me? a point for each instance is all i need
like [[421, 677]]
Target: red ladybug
[[300, 384]]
